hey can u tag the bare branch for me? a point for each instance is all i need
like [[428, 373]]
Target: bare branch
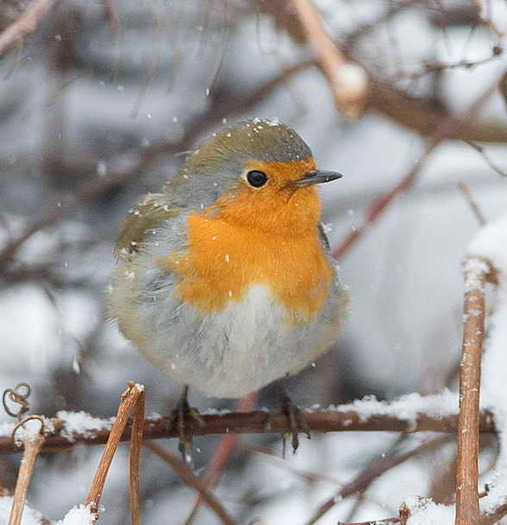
[[448, 128], [25, 25], [130, 399], [188, 477], [32, 447], [348, 80], [467, 467], [340, 419]]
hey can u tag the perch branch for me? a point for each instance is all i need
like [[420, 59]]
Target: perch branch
[[25, 25], [255, 423]]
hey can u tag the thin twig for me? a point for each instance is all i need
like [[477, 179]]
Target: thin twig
[[222, 454], [136, 443], [348, 80], [255, 423], [467, 466], [25, 25], [465, 190], [482, 152], [448, 128], [190, 479], [370, 474], [129, 400], [32, 447]]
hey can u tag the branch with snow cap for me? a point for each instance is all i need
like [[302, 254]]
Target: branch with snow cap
[[410, 413], [489, 248], [348, 80]]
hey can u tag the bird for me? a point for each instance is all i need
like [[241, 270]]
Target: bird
[[224, 280]]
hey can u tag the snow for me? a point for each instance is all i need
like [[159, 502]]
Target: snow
[[81, 423], [491, 244], [30, 516], [423, 511], [406, 408], [78, 515]]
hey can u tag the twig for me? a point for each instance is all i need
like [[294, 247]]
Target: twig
[[32, 447], [136, 443], [255, 423], [467, 467], [130, 399], [25, 25], [348, 80], [465, 190], [370, 474], [482, 152], [222, 454], [448, 128], [188, 477]]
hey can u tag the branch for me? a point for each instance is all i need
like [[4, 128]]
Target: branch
[[467, 468], [188, 477], [32, 448], [339, 419], [347, 80], [365, 478], [450, 127], [132, 399], [25, 25]]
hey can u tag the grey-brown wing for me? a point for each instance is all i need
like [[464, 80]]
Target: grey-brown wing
[[143, 219]]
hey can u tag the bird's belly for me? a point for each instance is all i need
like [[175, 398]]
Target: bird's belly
[[229, 353]]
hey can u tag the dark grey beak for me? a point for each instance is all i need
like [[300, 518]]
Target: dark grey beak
[[318, 177]]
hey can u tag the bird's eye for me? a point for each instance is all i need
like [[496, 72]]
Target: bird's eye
[[256, 178]]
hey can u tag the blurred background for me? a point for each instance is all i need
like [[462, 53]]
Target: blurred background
[[100, 106]]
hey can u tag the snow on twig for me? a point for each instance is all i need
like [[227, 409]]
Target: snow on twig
[[490, 246]]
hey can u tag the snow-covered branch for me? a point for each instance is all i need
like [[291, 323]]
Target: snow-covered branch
[[411, 413]]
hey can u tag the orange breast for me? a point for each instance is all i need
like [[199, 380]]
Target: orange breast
[[223, 260]]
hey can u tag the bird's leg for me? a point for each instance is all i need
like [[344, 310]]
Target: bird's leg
[[179, 415], [295, 418]]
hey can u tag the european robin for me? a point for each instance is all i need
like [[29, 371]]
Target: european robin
[[224, 279]]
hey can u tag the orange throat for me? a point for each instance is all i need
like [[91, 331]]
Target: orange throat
[[241, 241]]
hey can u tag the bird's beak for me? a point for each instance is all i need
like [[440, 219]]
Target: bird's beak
[[318, 177]]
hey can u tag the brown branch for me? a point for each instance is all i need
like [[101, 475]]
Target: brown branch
[[130, 399], [347, 80], [255, 423], [465, 190], [189, 478], [136, 442], [365, 478], [467, 467], [222, 454], [32, 447], [448, 128], [25, 25]]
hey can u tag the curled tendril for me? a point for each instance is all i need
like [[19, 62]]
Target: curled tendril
[[18, 395], [21, 424]]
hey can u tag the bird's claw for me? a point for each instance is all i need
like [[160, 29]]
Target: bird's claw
[[296, 424]]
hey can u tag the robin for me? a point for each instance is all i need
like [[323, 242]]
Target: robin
[[224, 279]]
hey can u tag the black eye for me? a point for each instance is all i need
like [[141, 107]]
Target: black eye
[[256, 178]]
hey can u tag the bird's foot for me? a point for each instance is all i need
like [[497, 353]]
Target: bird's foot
[[296, 422], [180, 416]]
